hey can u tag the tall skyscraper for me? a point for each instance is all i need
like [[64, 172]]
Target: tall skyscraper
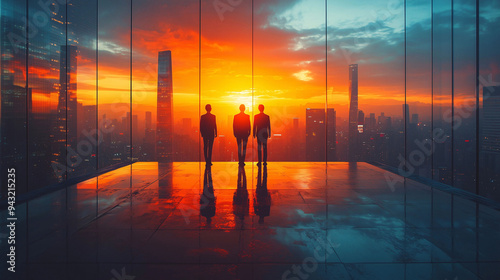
[[315, 135], [332, 135], [164, 125], [490, 146], [491, 122], [14, 97], [66, 124], [149, 121], [135, 131], [370, 123], [353, 111], [361, 121]]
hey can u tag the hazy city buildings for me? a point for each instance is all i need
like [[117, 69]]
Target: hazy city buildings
[[331, 131], [353, 111], [315, 134]]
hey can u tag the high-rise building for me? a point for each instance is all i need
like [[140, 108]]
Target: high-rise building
[[66, 124], [415, 118], [149, 121], [361, 121], [490, 143], [164, 124], [406, 113], [294, 144], [148, 145], [332, 135], [491, 122], [370, 123], [87, 134], [13, 95], [353, 111], [135, 131], [315, 134]]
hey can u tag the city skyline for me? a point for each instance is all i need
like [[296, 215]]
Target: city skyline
[[113, 82]]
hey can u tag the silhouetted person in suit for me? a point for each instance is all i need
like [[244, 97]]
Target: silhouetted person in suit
[[207, 199], [261, 131], [262, 199], [208, 130], [240, 198], [241, 130]]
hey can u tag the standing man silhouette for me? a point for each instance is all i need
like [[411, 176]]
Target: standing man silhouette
[[241, 130], [261, 131], [208, 130]]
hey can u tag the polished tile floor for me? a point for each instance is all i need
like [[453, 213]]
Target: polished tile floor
[[283, 221]]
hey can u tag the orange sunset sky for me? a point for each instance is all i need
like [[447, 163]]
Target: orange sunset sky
[[296, 62]]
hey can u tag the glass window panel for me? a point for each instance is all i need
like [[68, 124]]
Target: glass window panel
[[442, 106], [81, 58], [114, 82], [464, 95], [489, 77], [290, 77], [14, 97], [177, 33], [418, 115], [226, 70], [371, 36], [46, 70]]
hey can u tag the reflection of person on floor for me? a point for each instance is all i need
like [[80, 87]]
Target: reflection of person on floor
[[207, 199], [261, 131], [262, 199], [240, 197], [208, 130], [241, 130]]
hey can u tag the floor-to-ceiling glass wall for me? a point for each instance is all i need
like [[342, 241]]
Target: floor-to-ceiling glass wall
[[341, 82]]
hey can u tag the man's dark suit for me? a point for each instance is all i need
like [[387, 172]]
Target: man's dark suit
[[241, 130], [208, 130], [262, 130]]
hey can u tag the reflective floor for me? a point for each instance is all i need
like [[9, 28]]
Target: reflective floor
[[286, 221]]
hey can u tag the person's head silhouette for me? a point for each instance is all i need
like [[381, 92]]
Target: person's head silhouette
[[242, 108], [208, 107], [261, 108]]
